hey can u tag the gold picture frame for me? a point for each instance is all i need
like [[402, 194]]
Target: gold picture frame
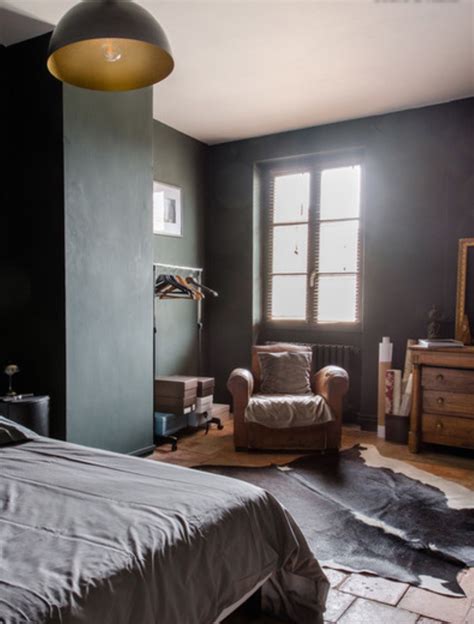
[[464, 316]]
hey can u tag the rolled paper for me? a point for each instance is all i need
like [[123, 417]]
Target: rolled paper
[[389, 390], [406, 399], [393, 389], [408, 362], [385, 350], [385, 362]]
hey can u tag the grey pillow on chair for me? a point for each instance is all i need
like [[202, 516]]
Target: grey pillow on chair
[[287, 372]]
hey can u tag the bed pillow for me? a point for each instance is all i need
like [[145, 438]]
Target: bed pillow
[[287, 372], [11, 432]]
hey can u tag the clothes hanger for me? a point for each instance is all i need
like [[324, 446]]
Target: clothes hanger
[[164, 287], [204, 289], [195, 292], [175, 287], [169, 283]]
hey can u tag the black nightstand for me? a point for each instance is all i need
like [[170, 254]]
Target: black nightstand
[[31, 412]]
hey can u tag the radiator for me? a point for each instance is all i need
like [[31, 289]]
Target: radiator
[[337, 355], [348, 358]]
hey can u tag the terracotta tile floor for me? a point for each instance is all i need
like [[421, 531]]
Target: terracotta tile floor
[[354, 598]]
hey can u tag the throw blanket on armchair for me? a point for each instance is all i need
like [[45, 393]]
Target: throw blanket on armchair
[[283, 411]]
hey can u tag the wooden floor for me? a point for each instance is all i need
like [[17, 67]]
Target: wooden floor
[[354, 598]]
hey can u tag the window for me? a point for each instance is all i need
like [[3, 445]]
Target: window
[[313, 244]]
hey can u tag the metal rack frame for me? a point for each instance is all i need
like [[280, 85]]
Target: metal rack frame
[[197, 271]]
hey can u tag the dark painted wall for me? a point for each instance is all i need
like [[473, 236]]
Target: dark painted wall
[[108, 241], [32, 260], [179, 160], [419, 183], [79, 213]]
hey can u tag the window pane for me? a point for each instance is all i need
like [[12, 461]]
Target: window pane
[[290, 248], [340, 193], [291, 198], [289, 297], [338, 246], [337, 298]]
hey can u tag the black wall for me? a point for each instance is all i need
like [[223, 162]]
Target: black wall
[[32, 265], [417, 203], [76, 277]]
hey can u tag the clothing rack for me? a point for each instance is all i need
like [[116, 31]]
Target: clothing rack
[[176, 267], [160, 267]]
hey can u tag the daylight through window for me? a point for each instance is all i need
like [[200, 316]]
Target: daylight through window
[[314, 245]]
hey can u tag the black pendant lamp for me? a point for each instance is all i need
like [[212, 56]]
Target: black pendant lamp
[[109, 45]]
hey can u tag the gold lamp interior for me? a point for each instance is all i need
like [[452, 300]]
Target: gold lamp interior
[[110, 64]]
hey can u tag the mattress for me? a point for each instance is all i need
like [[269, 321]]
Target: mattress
[[94, 537]]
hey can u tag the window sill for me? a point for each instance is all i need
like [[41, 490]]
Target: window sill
[[348, 328]]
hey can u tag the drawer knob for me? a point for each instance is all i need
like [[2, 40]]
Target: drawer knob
[[440, 400], [439, 425], [439, 377]]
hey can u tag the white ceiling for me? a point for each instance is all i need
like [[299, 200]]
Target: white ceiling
[[249, 68]]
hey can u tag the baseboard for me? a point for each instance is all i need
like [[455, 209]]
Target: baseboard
[[368, 422], [147, 450], [381, 431]]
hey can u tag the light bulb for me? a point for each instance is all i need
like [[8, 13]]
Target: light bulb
[[111, 51]]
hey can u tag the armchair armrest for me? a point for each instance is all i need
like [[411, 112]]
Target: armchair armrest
[[240, 385], [331, 382]]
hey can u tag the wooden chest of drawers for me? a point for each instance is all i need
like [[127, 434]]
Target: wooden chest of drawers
[[443, 397]]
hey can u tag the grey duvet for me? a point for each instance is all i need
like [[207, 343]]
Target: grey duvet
[[93, 537]]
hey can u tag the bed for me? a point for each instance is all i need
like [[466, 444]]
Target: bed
[[94, 537]]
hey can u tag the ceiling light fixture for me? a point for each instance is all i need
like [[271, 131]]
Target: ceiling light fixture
[[109, 45]]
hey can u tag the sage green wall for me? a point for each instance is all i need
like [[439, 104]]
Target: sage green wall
[[181, 161], [108, 246]]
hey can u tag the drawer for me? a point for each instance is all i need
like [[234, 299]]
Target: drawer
[[449, 379], [448, 402], [450, 430]]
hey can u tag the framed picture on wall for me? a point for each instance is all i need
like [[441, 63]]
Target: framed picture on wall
[[167, 210]]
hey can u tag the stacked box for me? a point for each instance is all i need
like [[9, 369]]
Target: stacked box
[[185, 395], [175, 394], [205, 386], [205, 395]]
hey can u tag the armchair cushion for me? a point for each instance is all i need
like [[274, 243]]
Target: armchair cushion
[[285, 372], [284, 411]]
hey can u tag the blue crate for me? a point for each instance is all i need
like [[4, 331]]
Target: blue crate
[[167, 424]]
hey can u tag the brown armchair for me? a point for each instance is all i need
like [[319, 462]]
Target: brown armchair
[[331, 382]]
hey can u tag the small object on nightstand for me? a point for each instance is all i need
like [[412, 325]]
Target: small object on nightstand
[[10, 370]]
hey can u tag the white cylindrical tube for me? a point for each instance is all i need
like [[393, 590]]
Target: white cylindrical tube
[[385, 362]]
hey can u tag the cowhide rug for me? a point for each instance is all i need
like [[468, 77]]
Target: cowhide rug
[[363, 512]]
